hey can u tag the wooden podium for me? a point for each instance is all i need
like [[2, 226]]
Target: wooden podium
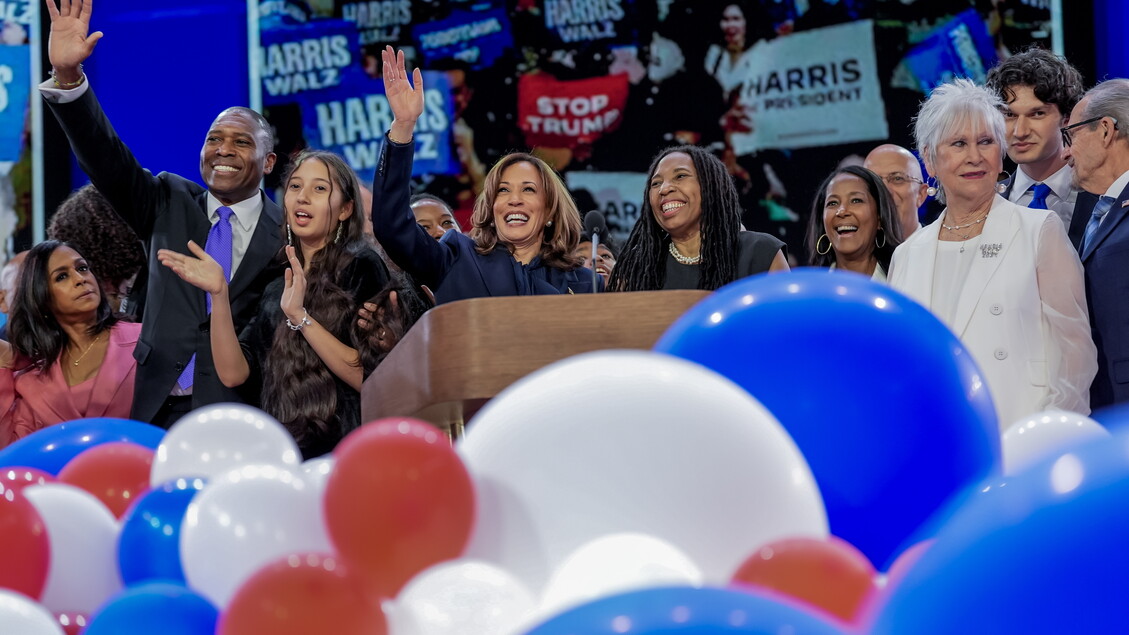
[[461, 354]]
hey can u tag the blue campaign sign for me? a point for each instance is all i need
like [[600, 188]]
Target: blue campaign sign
[[959, 48], [352, 120], [298, 58], [475, 37], [15, 88]]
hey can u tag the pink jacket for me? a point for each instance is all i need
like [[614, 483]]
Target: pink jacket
[[30, 400]]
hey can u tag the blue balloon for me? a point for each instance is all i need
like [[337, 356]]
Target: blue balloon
[[705, 611], [149, 542], [52, 447], [1043, 551], [156, 607], [883, 401]]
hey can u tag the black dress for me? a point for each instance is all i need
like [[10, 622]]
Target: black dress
[[755, 252], [363, 278]]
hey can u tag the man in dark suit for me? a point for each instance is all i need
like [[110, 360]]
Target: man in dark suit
[[1097, 147], [1040, 89], [175, 372]]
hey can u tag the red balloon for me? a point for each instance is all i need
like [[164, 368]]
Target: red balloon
[[399, 500], [25, 552], [18, 478], [302, 594], [72, 623], [115, 473], [829, 574]]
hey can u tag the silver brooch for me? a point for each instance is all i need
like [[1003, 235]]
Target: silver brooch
[[990, 250]]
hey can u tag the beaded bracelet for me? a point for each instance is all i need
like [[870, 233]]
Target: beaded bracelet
[[68, 85], [304, 323]]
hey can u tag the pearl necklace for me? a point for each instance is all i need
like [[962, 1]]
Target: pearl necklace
[[686, 260], [88, 349], [954, 228]]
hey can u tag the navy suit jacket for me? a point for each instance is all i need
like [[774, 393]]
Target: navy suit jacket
[[1106, 260], [451, 266], [1083, 206], [167, 211]]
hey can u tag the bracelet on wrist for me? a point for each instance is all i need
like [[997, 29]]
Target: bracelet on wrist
[[303, 323], [69, 85]]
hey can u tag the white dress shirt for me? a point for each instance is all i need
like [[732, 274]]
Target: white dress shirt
[[1061, 199]]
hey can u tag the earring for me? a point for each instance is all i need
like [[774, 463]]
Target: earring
[[825, 251], [337, 238], [289, 236], [549, 224], [932, 186], [1002, 181], [882, 233]]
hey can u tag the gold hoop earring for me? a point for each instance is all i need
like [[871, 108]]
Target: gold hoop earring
[[882, 233], [289, 236], [825, 251]]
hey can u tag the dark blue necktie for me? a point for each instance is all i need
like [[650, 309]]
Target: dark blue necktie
[[1100, 209], [218, 246], [1039, 200]]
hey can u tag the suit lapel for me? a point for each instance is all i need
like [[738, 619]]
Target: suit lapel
[[114, 371], [59, 403], [919, 275], [1000, 228], [261, 248], [1083, 208], [1112, 219]]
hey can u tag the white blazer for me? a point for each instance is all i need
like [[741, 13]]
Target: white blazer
[[1021, 313]]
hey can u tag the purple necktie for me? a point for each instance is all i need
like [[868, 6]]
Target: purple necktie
[[218, 246]]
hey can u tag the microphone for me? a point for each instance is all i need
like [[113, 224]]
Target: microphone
[[596, 227]]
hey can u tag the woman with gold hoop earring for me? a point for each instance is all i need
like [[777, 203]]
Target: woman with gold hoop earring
[[1005, 279], [854, 224], [303, 351]]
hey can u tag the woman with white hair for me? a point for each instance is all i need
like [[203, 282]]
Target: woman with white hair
[[1004, 278]]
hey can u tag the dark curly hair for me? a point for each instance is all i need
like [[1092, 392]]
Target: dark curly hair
[[1050, 76], [87, 222], [33, 330], [298, 388], [887, 218], [642, 263]]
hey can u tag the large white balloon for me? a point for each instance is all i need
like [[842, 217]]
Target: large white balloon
[[462, 597], [244, 520], [83, 535], [1046, 435], [616, 564], [633, 441], [211, 440], [21, 614]]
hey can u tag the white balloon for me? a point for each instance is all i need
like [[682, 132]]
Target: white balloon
[[83, 538], [1046, 435], [316, 472], [21, 614], [244, 520], [616, 564], [462, 597], [633, 441], [214, 439]]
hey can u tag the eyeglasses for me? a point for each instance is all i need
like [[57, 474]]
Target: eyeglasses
[[1066, 135], [897, 178]]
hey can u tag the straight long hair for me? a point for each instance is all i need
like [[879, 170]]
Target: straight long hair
[[33, 330]]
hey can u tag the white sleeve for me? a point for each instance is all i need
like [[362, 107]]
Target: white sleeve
[[56, 95], [1072, 358]]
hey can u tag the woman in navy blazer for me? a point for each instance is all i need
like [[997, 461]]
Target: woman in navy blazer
[[525, 225]]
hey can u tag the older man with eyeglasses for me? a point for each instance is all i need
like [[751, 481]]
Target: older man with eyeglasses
[[1097, 147], [900, 170]]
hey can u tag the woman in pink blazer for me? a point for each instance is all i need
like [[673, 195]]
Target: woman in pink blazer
[[69, 357]]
